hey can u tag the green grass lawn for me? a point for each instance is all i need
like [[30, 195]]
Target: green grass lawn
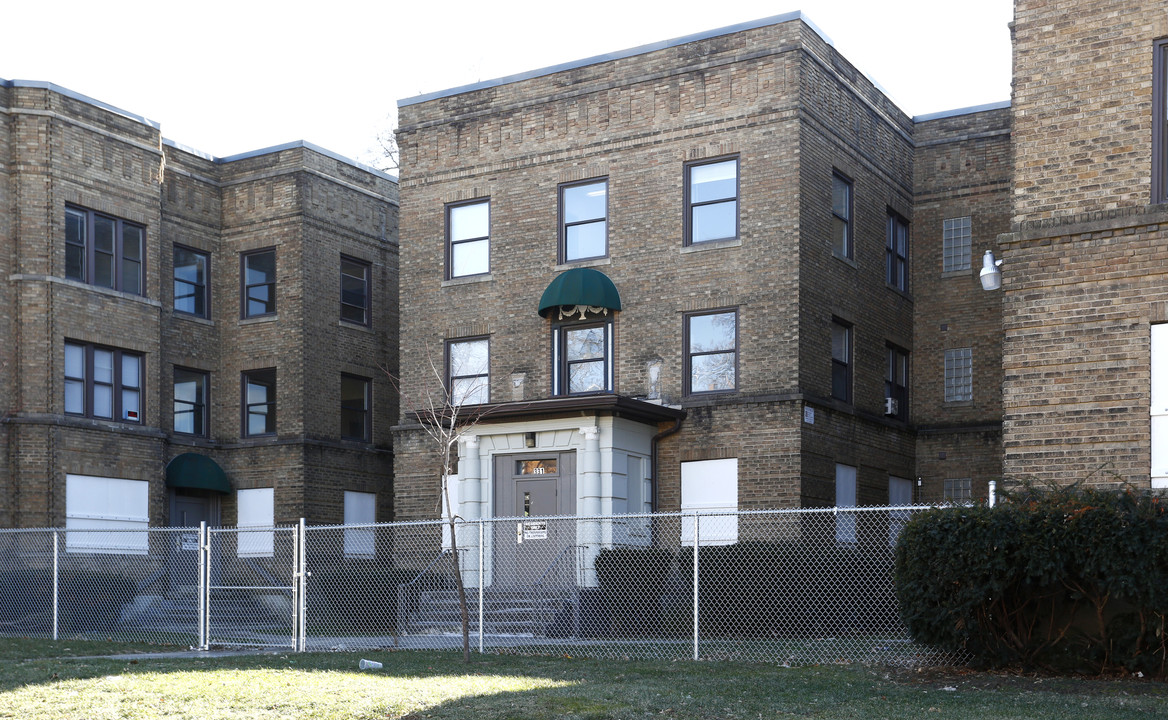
[[39, 679]]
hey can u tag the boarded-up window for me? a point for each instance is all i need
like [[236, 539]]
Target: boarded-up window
[[710, 488], [101, 514], [255, 522], [1159, 393], [360, 509]]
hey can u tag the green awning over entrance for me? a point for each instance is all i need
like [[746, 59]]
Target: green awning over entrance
[[191, 470], [580, 286]]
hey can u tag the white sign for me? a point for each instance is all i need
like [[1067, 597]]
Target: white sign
[[809, 415], [535, 530], [188, 541]]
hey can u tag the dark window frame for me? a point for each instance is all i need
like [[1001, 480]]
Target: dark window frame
[[1160, 121], [118, 260], [564, 224], [849, 252], [365, 411], [561, 366], [204, 430], [245, 287], [690, 205], [450, 242], [451, 377], [206, 286], [897, 357], [843, 369], [117, 387], [895, 252], [265, 377], [688, 354], [367, 275]]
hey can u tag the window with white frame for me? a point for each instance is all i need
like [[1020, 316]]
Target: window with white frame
[[102, 515], [958, 489], [360, 509], [958, 374], [709, 489], [255, 520], [1159, 405], [956, 244], [845, 497]]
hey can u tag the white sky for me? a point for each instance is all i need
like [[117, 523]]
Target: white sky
[[229, 77]]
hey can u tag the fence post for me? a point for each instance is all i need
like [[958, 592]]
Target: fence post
[[203, 593], [56, 584], [301, 577], [482, 575], [696, 602], [993, 498]]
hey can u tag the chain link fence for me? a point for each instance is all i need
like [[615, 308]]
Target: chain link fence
[[794, 586]]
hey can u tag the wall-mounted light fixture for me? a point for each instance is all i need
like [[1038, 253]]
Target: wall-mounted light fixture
[[991, 273], [529, 439]]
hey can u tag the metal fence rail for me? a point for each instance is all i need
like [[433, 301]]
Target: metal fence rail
[[790, 586]]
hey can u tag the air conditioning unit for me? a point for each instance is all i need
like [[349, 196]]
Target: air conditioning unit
[[891, 406]]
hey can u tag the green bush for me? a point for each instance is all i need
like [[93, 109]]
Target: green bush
[[1065, 579]]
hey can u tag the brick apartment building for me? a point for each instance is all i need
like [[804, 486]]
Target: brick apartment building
[[680, 277], [188, 338]]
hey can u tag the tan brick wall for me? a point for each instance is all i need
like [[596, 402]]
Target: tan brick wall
[[790, 108], [963, 169], [1083, 105], [57, 149]]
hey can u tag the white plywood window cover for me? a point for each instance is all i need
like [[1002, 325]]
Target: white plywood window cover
[[845, 497], [101, 514], [256, 518], [1159, 405], [360, 509], [710, 488]]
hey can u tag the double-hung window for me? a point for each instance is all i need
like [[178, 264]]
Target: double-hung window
[[711, 352], [354, 291], [958, 374], [583, 358], [896, 252], [103, 250], [896, 383], [259, 402], [958, 490], [258, 295], [355, 408], [468, 229], [841, 361], [841, 216], [584, 220], [956, 244], [1160, 121], [711, 201], [190, 401], [103, 382], [192, 275], [468, 371]]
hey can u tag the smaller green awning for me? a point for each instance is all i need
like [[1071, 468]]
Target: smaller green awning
[[191, 470], [579, 286]]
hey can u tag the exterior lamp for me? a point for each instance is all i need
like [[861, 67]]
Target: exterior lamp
[[991, 273]]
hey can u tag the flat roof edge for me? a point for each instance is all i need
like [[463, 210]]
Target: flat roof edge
[[618, 55], [41, 84], [1000, 105], [308, 146]]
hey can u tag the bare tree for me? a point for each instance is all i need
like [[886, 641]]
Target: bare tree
[[388, 159], [441, 413]]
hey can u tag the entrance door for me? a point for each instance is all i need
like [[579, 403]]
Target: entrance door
[[187, 511], [533, 549]]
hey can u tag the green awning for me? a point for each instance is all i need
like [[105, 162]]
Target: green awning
[[191, 470], [580, 286]]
